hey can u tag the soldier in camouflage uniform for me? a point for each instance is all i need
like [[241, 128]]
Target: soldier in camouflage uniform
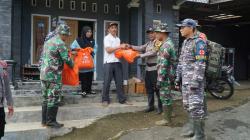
[[55, 53], [191, 68], [166, 71]]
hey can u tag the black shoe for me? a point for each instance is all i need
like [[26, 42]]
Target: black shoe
[[55, 125], [51, 118], [149, 110]]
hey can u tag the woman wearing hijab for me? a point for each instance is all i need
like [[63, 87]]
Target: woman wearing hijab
[[86, 75]]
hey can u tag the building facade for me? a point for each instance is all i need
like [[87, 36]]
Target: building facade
[[27, 22]]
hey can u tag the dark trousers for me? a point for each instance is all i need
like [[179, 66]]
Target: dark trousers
[[86, 79], [2, 122], [113, 70], [150, 83]]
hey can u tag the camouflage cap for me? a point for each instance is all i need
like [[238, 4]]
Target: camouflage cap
[[63, 29], [162, 28]]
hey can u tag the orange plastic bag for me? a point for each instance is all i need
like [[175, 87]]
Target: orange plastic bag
[[84, 58], [129, 55], [70, 75], [118, 53]]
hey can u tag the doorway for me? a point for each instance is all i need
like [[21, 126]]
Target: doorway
[[76, 25], [76, 29]]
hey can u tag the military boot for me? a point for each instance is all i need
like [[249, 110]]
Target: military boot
[[199, 133], [188, 128], [167, 116], [44, 114], [159, 109], [51, 118]]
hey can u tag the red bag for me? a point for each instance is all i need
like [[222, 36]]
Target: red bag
[[84, 58], [129, 55], [118, 53], [70, 75]]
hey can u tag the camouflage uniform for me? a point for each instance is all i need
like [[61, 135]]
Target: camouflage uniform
[[166, 72], [191, 69], [55, 53]]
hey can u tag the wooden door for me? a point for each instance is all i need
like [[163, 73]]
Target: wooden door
[[73, 24]]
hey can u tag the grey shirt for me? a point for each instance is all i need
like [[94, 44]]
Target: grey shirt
[[5, 92], [149, 53]]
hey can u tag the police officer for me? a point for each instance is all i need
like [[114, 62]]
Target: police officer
[[55, 53], [150, 56], [166, 70], [191, 68]]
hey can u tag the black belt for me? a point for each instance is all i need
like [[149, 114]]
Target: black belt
[[151, 64]]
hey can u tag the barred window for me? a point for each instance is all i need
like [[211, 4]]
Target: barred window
[[48, 3], [84, 6], [94, 7], [73, 5], [61, 4], [33, 3], [117, 9], [106, 8], [158, 8]]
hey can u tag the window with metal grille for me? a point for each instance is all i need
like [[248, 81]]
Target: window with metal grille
[[72, 5], [48, 3], [106, 8], [33, 3], [117, 9], [94, 7], [61, 4], [84, 6], [158, 8]]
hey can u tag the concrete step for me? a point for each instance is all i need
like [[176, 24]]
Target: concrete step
[[96, 85], [34, 130], [25, 124], [72, 112], [21, 100]]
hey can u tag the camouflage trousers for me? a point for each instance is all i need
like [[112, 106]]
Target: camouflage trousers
[[194, 101], [51, 92], [165, 93]]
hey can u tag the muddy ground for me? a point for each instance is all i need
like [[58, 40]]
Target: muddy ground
[[110, 126]]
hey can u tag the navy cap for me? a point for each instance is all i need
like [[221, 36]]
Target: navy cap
[[188, 23], [150, 29]]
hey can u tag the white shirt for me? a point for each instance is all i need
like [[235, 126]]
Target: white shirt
[[110, 41]]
